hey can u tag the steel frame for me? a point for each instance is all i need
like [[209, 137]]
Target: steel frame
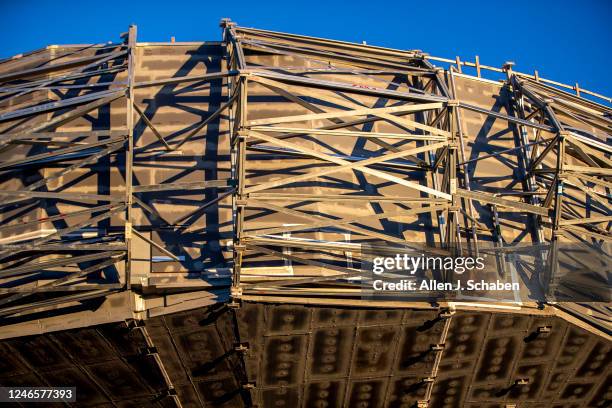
[[408, 112], [35, 265], [561, 158], [537, 114]]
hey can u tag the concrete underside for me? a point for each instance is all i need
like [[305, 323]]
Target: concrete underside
[[309, 356]]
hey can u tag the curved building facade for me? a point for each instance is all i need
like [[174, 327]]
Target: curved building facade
[[188, 224]]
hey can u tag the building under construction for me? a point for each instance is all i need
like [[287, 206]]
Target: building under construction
[[183, 224]]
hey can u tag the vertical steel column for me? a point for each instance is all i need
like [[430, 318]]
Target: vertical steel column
[[553, 259], [466, 176], [525, 153], [453, 232], [129, 154], [430, 157], [442, 220], [237, 135], [241, 202], [560, 178], [556, 192], [238, 138]]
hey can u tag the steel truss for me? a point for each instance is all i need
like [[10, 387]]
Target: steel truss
[[366, 137], [61, 243], [75, 252], [345, 91]]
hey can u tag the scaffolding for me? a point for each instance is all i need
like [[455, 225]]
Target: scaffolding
[[331, 145], [229, 180], [348, 90]]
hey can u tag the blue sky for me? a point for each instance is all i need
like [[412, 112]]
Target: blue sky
[[567, 41]]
